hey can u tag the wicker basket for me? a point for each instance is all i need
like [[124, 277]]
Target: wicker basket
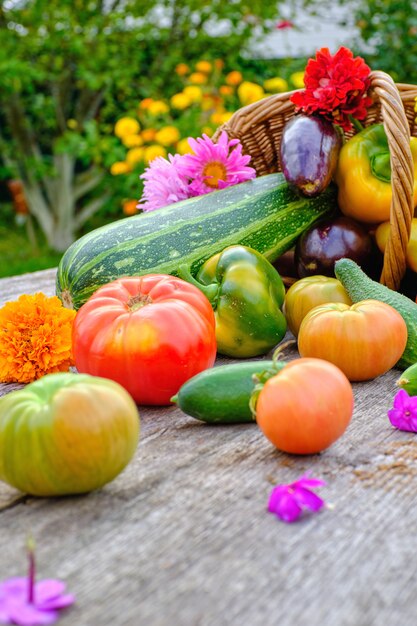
[[259, 127]]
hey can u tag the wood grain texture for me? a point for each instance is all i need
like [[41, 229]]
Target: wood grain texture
[[182, 537]]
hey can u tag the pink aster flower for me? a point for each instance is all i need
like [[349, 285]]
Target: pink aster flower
[[288, 501], [164, 183], [24, 602], [215, 165], [404, 414]]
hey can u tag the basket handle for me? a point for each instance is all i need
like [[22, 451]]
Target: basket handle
[[402, 177]]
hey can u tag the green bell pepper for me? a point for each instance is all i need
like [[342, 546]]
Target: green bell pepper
[[247, 294]]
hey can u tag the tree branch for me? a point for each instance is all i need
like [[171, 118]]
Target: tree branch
[[89, 210], [87, 181]]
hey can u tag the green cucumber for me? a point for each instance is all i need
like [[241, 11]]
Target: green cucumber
[[265, 214], [408, 380], [221, 395], [360, 287]]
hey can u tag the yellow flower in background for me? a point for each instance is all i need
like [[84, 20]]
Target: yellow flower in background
[[208, 103], [148, 134], [183, 147], [126, 126], [158, 107], [217, 117], [167, 136], [226, 90], [120, 167], [35, 338], [203, 66], [225, 117], [132, 141], [145, 103], [297, 79], [234, 78], [207, 130], [276, 84], [72, 124], [182, 69], [130, 207], [153, 151], [135, 155], [198, 78], [249, 92], [193, 92], [180, 101]]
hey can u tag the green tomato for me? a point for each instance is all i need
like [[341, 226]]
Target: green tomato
[[309, 292], [66, 434]]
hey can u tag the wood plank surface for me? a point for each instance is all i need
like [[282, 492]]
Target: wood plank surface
[[182, 537]]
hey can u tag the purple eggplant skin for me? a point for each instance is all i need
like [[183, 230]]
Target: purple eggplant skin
[[309, 151]]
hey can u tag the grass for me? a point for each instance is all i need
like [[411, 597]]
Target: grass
[[18, 255]]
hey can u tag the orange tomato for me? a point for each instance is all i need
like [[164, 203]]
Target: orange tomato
[[309, 292], [364, 340], [305, 407]]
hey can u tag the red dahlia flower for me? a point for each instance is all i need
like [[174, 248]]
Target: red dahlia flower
[[335, 87]]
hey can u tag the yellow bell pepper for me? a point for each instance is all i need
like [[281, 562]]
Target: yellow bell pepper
[[363, 176]]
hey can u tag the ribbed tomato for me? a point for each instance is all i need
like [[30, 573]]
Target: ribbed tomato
[[365, 340], [149, 333], [66, 433], [305, 407]]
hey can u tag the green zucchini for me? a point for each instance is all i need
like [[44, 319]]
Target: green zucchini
[[265, 214], [221, 395]]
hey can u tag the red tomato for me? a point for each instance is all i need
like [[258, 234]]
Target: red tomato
[[365, 340], [309, 292], [149, 333], [305, 407]]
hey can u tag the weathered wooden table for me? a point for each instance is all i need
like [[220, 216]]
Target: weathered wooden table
[[182, 537]]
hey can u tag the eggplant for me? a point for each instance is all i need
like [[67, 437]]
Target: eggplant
[[328, 240], [309, 150]]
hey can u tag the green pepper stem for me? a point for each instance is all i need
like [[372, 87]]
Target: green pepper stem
[[210, 291], [356, 124]]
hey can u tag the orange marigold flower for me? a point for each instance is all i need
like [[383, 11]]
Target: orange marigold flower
[[234, 78], [182, 69], [35, 338]]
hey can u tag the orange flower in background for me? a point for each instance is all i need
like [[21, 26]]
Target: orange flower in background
[[35, 338], [182, 69], [203, 66], [130, 207], [145, 103], [148, 134], [226, 90], [198, 78], [219, 64], [234, 78]]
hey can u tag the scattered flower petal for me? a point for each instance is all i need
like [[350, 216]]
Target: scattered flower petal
[[289, 501], [49, 598], [404, 414]]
